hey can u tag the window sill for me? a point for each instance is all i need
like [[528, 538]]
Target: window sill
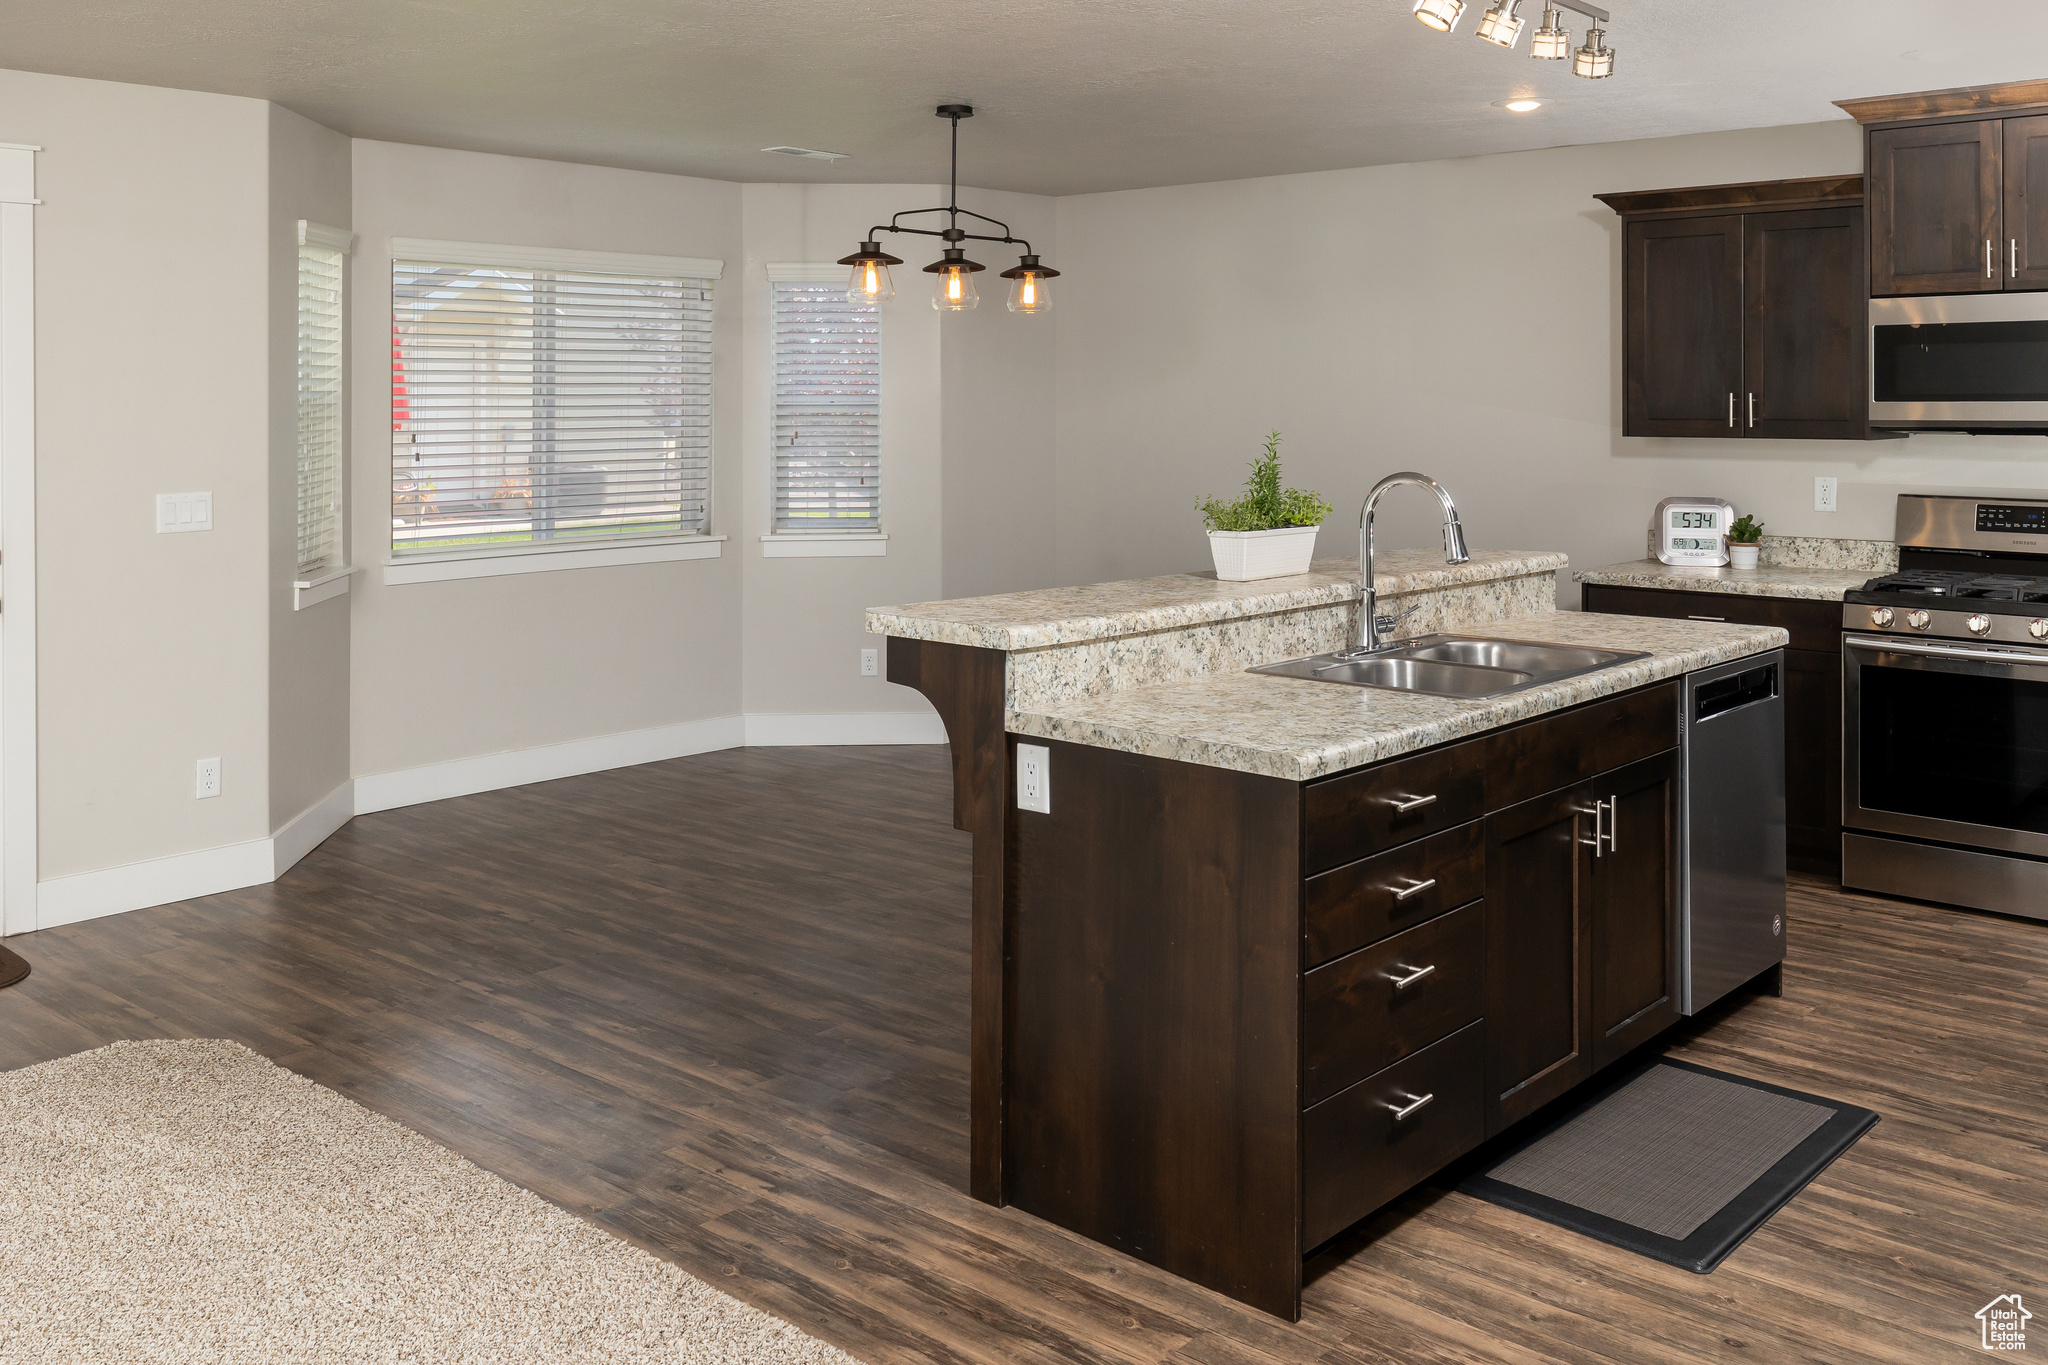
[[825, 545], [492, 563], [318, 588]]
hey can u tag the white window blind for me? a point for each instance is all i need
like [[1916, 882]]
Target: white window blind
[[546, 404], [828, 414], [321, 252]]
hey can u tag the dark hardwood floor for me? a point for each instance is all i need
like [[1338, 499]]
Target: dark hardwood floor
[[719, 1005]]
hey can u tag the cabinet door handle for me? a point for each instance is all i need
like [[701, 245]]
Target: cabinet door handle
[[1706, 618], [1988, 271], [1402, 893], [1752, 409], [1599, 813], [1415, 974], [1415, 1103], [1731, 409], [2015, 258], [1404, 804], [1613, 822]]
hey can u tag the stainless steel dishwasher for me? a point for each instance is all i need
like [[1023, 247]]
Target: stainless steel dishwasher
[[1731, 894]]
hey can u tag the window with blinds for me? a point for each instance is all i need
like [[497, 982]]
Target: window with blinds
[[321, 253], [828, 415], [537, 405]]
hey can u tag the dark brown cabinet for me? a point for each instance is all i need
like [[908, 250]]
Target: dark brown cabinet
[[1813, 700], [1583, 919], [1958, 189], [1744, 311]]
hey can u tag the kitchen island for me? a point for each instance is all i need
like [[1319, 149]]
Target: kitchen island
[[1276, 949]]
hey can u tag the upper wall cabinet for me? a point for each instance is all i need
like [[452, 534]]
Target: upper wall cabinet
[[1744, 310], [1958, 189]]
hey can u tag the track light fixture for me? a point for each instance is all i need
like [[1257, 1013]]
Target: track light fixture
[[1502, 27], [953, 290]]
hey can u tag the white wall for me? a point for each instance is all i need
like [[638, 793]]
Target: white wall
[[309, 650], [152, 254], [452, 670], [1457, 317]]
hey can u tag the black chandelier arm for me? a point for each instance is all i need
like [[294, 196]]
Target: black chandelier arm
[[941, 232], [954, 209]]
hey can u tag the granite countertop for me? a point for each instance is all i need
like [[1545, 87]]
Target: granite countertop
[[1060, 616], [1816, 584], [1297, 728]]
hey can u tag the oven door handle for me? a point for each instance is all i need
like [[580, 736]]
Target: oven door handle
[[2019, 657]]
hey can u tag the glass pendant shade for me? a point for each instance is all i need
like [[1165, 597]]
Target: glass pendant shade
[[870, 282], [1441, 15], [1499, 24], [1029, 290], [954, 291], [1550, 42], [1595, 59]]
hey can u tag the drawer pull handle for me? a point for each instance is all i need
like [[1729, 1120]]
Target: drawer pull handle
[[1402, 893], [1706, 618], [1404, 804], [1415, 974], [1415, 1103]]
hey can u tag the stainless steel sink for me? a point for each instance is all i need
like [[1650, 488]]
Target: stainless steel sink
[[1467, 666]]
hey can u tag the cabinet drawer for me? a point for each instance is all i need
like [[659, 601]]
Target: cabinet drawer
[[1347, 817], [1356, 1154], [1813, 624], [1356, 1019], [1362, 902], [1539, 756]]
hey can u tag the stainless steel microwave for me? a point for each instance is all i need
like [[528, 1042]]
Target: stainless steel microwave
[[1960, 362]]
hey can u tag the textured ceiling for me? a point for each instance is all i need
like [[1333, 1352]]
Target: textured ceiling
[[1074, 95]]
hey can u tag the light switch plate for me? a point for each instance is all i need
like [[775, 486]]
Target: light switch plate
[[1034, 778], [184, 512]]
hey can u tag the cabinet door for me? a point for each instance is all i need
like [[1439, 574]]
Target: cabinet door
[[2026, 202], [1934, 213], [1632, 911], [1682, 287], [1813, 760], [1538, 864], [1804, 321]]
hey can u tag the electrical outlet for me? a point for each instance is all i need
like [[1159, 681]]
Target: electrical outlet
[[1034, 778], [184, 512], [209, 778], [871, 663], [1825, 498]]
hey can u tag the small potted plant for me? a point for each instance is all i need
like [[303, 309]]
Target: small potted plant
[[1745, 539], [1269, 532]]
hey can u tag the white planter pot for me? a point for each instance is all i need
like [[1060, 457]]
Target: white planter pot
[[1245, 555], [1742, 556]]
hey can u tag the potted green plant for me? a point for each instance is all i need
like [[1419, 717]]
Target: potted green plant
[[1269, 532], [1745, 539]]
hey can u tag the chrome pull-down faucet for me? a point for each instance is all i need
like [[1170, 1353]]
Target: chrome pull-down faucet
[[1370, 623]]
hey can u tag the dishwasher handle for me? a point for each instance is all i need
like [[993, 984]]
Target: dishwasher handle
[[1734, 692]]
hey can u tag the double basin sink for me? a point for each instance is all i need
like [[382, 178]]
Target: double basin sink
[[1467, 666]]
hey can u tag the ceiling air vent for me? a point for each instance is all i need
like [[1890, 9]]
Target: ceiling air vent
[[806, 151]]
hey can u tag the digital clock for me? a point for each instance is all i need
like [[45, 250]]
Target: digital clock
[[1692, 530]]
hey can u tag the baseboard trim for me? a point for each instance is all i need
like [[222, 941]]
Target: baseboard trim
[[544, 763], [159, 881], [309, 829], [184, 876]]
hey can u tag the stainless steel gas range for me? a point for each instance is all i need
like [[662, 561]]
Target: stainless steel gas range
[[1945, 710]]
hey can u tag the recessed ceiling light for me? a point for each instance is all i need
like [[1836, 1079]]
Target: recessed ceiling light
[[806, 151], [1521, 106]]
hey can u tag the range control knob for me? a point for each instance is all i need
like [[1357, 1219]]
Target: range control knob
[[2038, 629], [1918, 620], [1882, 616], [1979, 625]]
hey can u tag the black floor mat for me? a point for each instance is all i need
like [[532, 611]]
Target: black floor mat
[[1672, 1161]]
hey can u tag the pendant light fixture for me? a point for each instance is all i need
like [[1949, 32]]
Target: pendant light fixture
[[1502, 27], [953, 290]]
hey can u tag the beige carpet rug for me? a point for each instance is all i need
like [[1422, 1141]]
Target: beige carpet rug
[[189, 1201]]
